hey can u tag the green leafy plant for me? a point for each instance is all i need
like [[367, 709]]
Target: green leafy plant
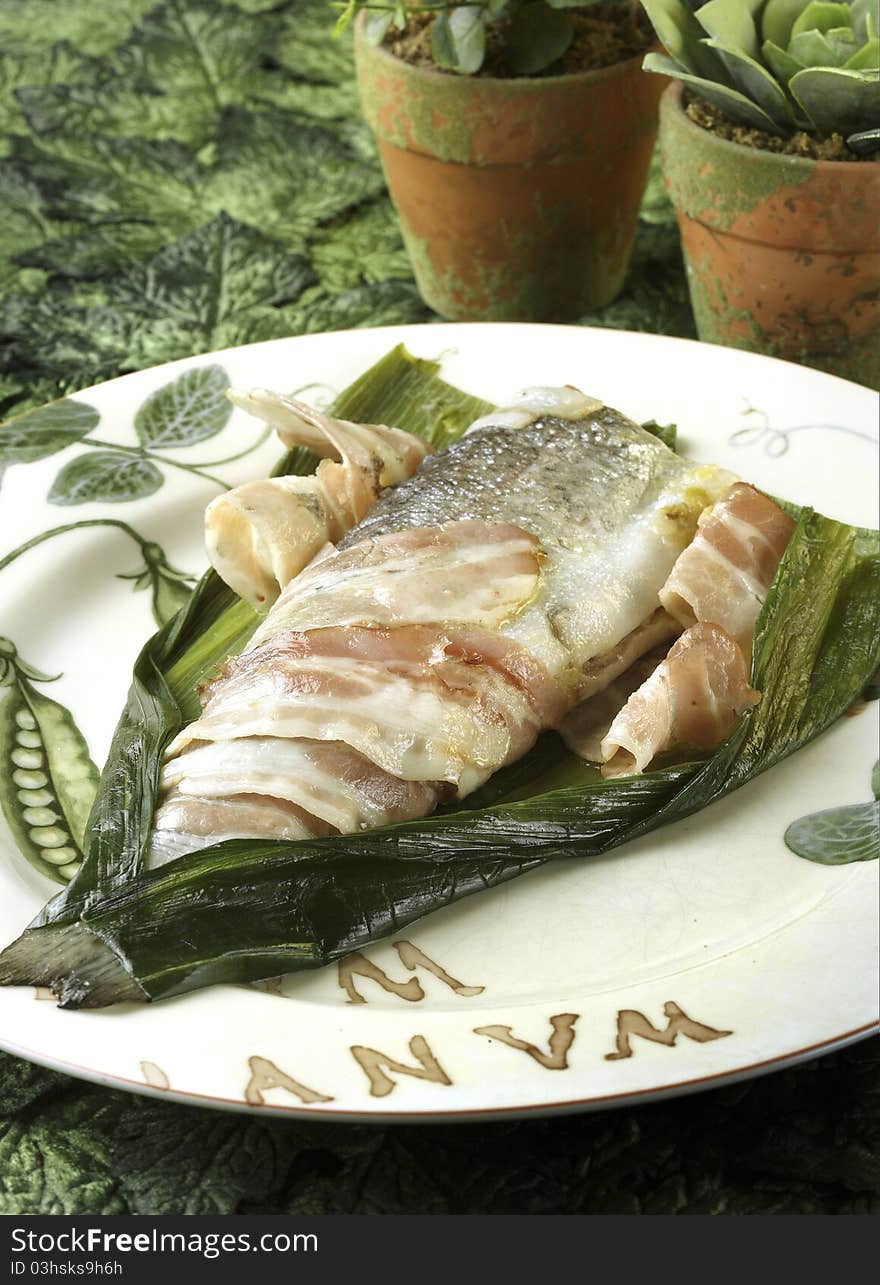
[[778, 65], [534, 35]]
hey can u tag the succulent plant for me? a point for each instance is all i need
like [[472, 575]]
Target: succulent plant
[[778, 65], [536, 33]]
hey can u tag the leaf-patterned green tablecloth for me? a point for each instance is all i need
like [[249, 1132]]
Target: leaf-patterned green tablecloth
[[181, 177]]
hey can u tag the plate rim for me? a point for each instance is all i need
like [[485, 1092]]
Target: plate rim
[[567, 1106], [441, 326]]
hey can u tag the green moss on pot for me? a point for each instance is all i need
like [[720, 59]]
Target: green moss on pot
[[782, 252]]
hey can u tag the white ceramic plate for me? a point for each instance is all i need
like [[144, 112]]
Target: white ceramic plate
[[702, 953]]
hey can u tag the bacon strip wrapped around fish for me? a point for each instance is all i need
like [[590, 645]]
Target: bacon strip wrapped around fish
[[725, 572], [694, 695], [260, 535]]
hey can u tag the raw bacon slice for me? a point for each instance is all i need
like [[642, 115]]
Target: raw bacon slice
[[724, 574], [603, 671], [327, 780], [421, 703], [693, 698], [479, 573], [585, 727], [286, 789], [260, 535], [186, 823]]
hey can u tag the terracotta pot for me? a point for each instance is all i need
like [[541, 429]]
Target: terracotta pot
[[518, 199], [782, 252]]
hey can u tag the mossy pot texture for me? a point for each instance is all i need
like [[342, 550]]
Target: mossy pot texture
[[518, 199], [782, 252]]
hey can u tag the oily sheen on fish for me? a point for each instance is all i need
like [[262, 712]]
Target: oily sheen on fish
[[472, 606]]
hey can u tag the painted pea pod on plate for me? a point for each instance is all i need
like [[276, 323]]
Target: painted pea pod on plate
[[49, 781]]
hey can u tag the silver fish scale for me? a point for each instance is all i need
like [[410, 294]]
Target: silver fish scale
[[562, 480]]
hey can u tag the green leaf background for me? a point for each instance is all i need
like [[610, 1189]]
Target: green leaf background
[[120, 167], [180, 177]]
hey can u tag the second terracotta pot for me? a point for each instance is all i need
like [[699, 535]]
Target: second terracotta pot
[[782, 252], [518, 199]]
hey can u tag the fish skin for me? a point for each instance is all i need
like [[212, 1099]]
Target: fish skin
[[527, 476], [611, 505]]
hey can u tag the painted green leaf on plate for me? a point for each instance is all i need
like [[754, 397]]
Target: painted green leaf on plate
[[105, 476], [189, 409], [170, 588], [837, 836], [44, 431]]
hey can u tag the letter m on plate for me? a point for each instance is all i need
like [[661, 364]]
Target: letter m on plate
[[358, 965]]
